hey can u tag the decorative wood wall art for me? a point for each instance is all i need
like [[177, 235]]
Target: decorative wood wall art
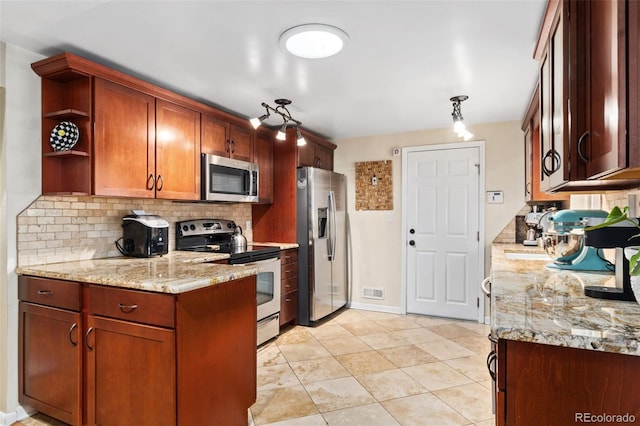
[[374, 185]]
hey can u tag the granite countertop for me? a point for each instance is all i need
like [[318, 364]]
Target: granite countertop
[[176, 272], [283, 246], [533, 303]]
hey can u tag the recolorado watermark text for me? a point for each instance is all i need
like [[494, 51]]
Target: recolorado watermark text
[[604, 418]]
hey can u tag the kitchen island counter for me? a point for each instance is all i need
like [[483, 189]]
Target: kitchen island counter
[[533, 303], [175, 272]]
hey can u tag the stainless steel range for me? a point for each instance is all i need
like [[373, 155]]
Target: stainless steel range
[[216, 236]]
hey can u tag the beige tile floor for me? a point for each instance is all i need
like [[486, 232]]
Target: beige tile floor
[[370, 368]]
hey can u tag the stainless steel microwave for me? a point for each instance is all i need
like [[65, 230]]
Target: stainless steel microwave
[[226, 179]]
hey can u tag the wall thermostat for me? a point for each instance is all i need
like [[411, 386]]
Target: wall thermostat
[[495, 197]]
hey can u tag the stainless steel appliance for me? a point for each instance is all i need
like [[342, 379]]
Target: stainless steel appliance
[[144, 235], [218, 236], [227, 179], [322, 238]]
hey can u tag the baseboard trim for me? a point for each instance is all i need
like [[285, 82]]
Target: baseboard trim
[[375, 308], [21, 413], [487, 320], [7, 419]]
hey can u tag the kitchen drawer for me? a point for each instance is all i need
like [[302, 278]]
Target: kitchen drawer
[[288, 271], [289, 308], [55, 293], [289, 256], [132, 305], [288, 285]]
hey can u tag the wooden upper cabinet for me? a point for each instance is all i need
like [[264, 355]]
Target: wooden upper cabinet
[[533, 154], [588, 95], [124, 143], [177, 174], [144, 147], [553, 95], [263, 155], [602, 143], [317, 152], [225, 138], [633, 88]]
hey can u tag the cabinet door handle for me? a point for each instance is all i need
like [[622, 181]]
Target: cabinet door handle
[[527, 188], [160, 183], [73, 327], [127, 309], [580, 141], [86, 338], [45, 292], [233, 146], [151, 182], [228, 145], [491, 364], [555, 162]]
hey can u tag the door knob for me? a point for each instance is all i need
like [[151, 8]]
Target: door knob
[[412, 231], [412, 243]]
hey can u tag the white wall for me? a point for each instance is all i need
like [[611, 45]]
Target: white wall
[[21, 177], [376, 237]]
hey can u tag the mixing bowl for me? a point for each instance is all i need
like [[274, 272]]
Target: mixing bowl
[[564, 247]]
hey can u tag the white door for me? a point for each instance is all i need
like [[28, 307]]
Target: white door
[[442, 232]]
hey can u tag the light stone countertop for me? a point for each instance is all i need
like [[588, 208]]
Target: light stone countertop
[[176, 272], [283, 246], [533, 303]]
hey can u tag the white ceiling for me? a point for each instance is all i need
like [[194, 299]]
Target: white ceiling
[[405, 59]]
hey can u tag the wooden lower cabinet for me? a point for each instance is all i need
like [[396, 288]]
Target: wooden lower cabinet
[[134, 357], [50, 363], [289, 287], [130, 373], [540, 384]]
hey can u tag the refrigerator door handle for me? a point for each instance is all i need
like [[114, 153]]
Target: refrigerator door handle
[[332, 225]]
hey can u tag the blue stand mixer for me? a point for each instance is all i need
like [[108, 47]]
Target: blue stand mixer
[[564, 241]]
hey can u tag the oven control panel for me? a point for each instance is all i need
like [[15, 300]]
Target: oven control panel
[[205, 227]]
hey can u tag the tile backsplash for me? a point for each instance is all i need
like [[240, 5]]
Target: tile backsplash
[[65, 228]]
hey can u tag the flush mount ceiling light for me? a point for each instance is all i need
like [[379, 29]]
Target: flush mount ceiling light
[[314, 41], [282, 111], [458, 123]]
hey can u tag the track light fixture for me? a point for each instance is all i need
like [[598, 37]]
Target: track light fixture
[[458, 123], [281, 110]]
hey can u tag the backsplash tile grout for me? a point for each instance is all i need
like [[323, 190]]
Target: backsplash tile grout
[[68, 228]]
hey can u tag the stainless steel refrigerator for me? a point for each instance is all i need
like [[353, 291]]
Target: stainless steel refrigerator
[[322, 238]]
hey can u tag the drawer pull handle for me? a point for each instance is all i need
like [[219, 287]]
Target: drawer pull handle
[[287, 300], [45, 292], [73, 327], [127, 308], [86, 338]]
